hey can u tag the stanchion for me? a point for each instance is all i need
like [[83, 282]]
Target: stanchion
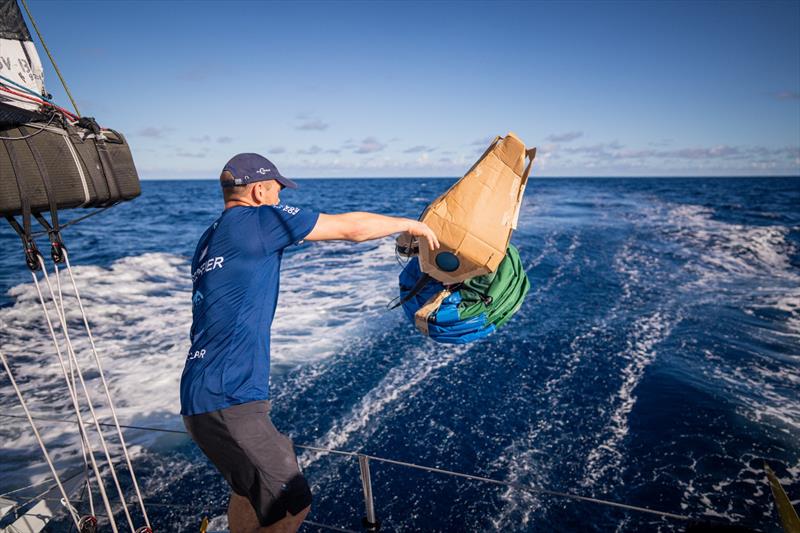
[[369, 522]]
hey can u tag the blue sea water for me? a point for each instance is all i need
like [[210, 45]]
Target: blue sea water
[[655, 361]]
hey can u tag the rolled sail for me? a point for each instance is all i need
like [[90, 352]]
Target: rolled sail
[[20, 66]]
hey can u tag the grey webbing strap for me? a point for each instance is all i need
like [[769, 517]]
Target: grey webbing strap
[[24, 232], [108, 168], [48, 190]]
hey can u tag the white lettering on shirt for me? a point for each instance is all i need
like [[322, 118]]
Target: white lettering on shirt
[[207, 266]]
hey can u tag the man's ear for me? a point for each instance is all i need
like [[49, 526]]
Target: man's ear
[[256, 193]]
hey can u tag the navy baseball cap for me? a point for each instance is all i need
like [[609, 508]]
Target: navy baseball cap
[[250, 168]]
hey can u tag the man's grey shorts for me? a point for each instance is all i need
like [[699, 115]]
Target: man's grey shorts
[[254, 457]]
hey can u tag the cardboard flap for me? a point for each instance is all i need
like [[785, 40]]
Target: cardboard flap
[[511, 151], [475, 217]]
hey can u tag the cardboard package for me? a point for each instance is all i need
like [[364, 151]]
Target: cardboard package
[[475, 217]]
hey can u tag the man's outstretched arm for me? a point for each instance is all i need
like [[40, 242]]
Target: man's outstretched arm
[[361, 226]]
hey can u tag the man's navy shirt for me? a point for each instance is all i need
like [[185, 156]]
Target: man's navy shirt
[[235, 281]]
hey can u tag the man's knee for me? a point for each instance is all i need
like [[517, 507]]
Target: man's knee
[[241, 515], [288, 524]]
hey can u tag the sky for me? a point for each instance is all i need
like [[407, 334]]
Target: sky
[[393, 89]]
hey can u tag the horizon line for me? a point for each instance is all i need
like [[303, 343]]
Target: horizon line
[[664, 176]]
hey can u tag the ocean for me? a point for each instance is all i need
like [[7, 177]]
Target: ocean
[[655, 361]]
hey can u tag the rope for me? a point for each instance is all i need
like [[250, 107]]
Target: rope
[[23, 88], [53, 61], [345, 453], [41, 497], [194, 508], [39, 129], [75, 220], [106, 389], [536, 490], [38, 101], [80, 422], [3, 495], [73, 395], [74, 359], [330, 528], [36, 434]]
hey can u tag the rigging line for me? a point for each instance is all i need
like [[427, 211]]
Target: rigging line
[[330, 528], [23, 88], [41, 495], [71, 353], [74, 387], [514, 485], [73, 394], [538, 490], [107, 391], [75, 220], [39, 129], [104, 424], [53, 61], [3, 495], [195, 507], [37, 100], [36, 433]]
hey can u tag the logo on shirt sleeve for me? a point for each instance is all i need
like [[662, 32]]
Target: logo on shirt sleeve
[[287, 208]]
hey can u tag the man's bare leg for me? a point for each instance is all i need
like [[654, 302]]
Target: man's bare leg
[[242, 518]]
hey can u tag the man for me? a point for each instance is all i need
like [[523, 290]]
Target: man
[[225, 383]]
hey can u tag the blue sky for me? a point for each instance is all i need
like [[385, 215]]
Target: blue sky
[[419, 88]]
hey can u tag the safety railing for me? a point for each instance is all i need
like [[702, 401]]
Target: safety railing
[[370, 521]]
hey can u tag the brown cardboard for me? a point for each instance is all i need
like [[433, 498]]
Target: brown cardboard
[[475, 217], [430, 307]]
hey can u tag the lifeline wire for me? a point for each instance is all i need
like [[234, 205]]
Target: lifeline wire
[[518, 486], [53, 61], [41, 497], [73, 394], [108, 393]]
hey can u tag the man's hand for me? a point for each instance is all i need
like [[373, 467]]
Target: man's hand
[[420, 229]]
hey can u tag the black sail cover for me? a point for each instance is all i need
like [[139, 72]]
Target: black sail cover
[[12, 25], [46, 161]]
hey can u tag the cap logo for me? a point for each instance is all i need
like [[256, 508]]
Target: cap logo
[[262, 171]]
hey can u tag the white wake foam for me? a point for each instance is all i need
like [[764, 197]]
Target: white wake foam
[[139, 309]]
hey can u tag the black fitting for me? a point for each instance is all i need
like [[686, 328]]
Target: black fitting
[[32, 255], [87, 524], [90, 124], [57, 248], [371, 526]]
